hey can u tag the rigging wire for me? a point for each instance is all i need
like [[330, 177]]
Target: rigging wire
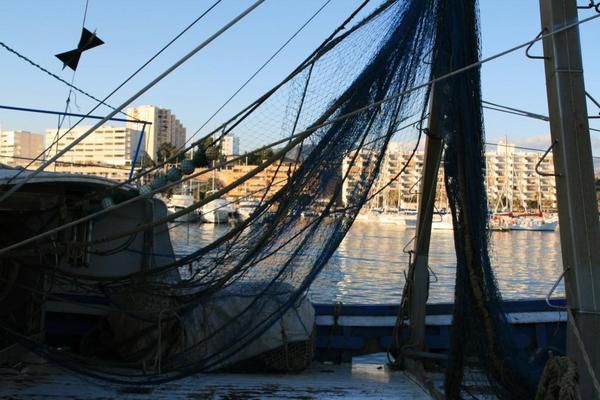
[[279, 50], [62, 118], [140, 92], [131, 76], [299, 137], [313, 57], [323, 48], [85, 13], [522, 113], [58, 78]]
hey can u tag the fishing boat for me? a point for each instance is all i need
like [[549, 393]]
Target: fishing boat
[[93, 284]]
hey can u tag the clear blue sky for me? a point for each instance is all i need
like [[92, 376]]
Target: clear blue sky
[[135, 29]]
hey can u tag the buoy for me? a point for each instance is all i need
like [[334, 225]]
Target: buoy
[[187, 166], [145, 189], [174, 174], [159, 182], [107, 202]]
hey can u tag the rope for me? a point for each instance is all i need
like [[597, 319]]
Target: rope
[[256, 72], [559, 380], [301, 135], [159, 78], [583, 351], [58, 78]]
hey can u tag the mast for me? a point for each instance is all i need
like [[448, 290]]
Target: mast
[[577, 208]]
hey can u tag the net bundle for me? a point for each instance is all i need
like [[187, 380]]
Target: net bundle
[[333, 117], [336, 113]]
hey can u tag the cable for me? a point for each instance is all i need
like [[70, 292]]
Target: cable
[[134, 97], [257, 71], [131, 76], [523, 113], [511, 110], [85, 13], [301, 136], [323, 49], [58, 78]]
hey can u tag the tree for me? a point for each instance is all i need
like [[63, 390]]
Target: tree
[[206, 152], [166, 151], [258, 157]]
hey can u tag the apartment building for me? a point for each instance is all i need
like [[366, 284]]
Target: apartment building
[[164, 128], [18, 147], [513, 179], [520, 179], [107, 145], [230, 145]]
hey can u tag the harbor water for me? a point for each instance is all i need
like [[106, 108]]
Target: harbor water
[[370, 263]]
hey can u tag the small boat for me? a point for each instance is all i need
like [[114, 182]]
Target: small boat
[[178, 202], [406, 219], [217, 211], [533, 224], [246, 208], [442, 222]]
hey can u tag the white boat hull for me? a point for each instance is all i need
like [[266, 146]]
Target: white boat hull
[[217, 211]]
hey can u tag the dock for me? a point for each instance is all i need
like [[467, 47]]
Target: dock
[[358, 380]]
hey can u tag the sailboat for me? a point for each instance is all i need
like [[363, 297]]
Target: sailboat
[[219, 210]]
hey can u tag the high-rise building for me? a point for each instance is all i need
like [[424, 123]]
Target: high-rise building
[[513, 179], [165, 128], [18, 147], [106, 145], [230, 145]]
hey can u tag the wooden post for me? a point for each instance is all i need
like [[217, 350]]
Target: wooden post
[[578, 213], [419, 288]]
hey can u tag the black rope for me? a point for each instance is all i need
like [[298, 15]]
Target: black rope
[[279, 50], [58, 78]]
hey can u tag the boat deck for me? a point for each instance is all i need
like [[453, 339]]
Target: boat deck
[[358, 380]]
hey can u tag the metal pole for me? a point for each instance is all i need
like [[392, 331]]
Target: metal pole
[[577, 208]]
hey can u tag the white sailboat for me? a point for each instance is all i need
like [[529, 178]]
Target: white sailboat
[[533, 224]]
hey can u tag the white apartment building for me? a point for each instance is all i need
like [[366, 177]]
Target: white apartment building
[[230, 145], [165, 128], [514, 183], [107, 145], [511, 179], [17, 147]]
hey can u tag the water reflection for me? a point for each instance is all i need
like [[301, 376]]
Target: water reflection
[[369, 264]]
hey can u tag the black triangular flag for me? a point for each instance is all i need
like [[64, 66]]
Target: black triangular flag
[[88, 41]]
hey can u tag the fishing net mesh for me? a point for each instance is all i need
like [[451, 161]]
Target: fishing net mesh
[[349, 98]]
